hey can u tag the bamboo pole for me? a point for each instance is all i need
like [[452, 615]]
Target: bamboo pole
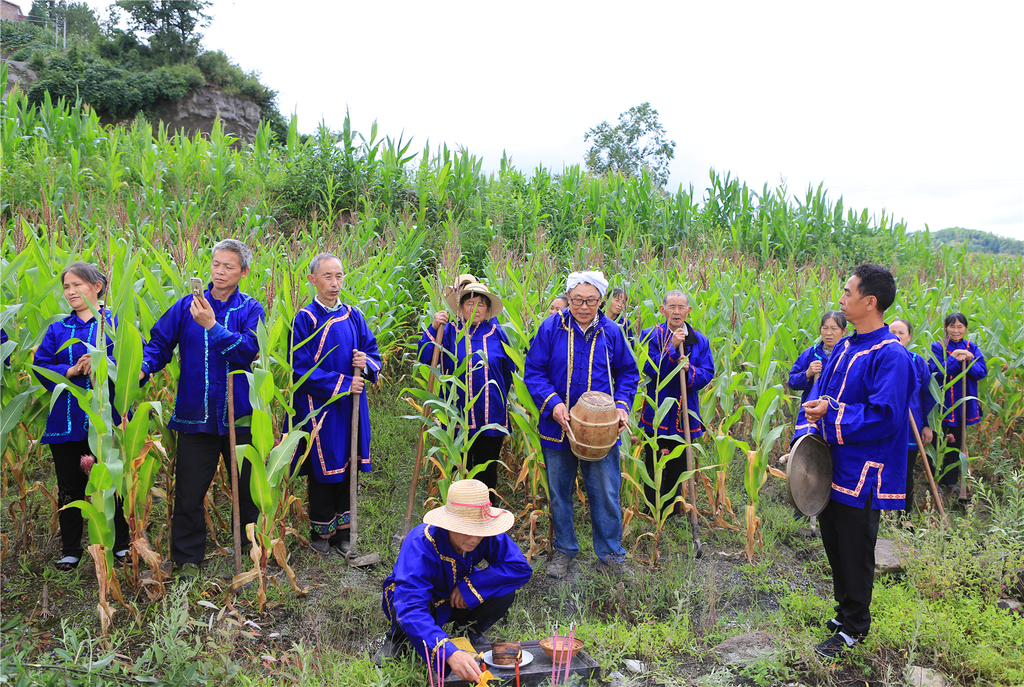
[[236, 525], [927, 466], [964, 496], [690, 486], [422, 434]]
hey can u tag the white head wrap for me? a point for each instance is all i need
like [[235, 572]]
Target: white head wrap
[[594, 278]]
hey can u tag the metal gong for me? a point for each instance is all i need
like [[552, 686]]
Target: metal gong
[[809, 474]]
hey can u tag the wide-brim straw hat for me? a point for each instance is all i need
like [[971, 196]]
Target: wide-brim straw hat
[[468, 511], [454, 299]]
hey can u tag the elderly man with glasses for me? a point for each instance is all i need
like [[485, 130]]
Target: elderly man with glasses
[[578, 350]]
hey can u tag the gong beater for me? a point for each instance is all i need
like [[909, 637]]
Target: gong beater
[[809, 474]]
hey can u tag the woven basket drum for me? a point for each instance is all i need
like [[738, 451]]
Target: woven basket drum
[[594, 422]]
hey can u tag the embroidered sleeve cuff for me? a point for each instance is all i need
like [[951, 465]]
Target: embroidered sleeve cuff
[[220, 336], [673, 354], [553, 400], [623, 405]]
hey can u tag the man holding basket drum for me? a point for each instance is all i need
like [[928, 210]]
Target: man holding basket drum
[[579, 351]]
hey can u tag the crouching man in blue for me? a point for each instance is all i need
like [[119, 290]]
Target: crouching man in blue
[[860, 406], [578, 350], [331, 341], [214, 334], [437, 580]]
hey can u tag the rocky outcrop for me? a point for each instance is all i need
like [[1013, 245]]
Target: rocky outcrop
[[198, 111], [18, 74]]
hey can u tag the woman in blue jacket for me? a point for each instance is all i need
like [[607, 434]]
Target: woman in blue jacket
[[488, 378], [952, 354], [67, 426], [808, 365], [921, 404]]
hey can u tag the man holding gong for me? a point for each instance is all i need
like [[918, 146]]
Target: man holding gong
[[859, 406]]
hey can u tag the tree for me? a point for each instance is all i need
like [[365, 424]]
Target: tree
[[636, 143], [171, 24]]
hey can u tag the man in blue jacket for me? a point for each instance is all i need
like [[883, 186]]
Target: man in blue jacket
[[577, 350], [214, 334], [674, 348], [439, 579], [860, 406], [331, 341]]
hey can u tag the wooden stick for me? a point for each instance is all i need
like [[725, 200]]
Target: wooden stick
[[967, 463], [353, 470], [422, 434], [236, 525], [690, 486], [927, 467]]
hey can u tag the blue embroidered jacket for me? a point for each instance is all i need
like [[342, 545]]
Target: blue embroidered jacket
[[333, 335], [627, 328], [662, 359], [491, 375], [921, 402], [868, 380], [798, 374], [563, 362], [205, 357], [416, 593], [67, 421], [976, 369]]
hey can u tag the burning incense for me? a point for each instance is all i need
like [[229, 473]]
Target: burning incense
[[430, 667], [572, 645], [554, 656]]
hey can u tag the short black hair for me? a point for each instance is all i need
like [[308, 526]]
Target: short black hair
[[839, 317], [876, 281], [619, 291], [88, 272], [910, 327], [954, 317], [466, 295]]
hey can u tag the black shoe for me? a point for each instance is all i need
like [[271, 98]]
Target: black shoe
[[392, 649], [832, 626], [321, 546], [833, 647], [68, 563], [340, 543]]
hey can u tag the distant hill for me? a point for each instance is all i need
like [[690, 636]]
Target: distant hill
[[978, 241]]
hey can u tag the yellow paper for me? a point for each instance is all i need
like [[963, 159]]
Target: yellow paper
[[464, 644], [485, 678]]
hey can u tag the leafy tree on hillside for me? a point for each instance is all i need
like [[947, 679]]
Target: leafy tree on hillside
[[79, 16], [171, 24], [636, 143]]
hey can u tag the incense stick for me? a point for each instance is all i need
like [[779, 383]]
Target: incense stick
[[430, 667], [572, 645], [554, 656]]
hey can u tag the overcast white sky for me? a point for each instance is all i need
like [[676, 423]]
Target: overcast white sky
[[914, 107]]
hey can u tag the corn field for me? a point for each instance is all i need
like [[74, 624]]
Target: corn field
[[759, 269]]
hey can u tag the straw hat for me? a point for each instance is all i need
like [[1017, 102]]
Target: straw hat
[[476, 287], [468, 511], [464, 279]]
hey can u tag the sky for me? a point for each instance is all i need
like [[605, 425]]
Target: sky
[[914, 108]]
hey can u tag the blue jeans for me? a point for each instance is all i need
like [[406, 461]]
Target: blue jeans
[[602, 480]]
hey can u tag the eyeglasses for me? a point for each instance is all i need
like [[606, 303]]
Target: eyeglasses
[[589, 302]]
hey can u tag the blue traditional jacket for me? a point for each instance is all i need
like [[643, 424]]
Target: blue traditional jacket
[[798, 374], [491, 374], [205, 357], [868, 382], [563, 363], [976, 369], [67, 420], [662, 359], [416, 593], [921, 402], [333, 336]]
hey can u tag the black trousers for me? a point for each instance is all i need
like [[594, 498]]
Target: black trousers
[[198, 455], [329, 504], [670, 474], [911, 464], [470, 621], [71, 482], [486, 448], [952, 456], [849, 535]]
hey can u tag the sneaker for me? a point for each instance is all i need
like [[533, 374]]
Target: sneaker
[[833, 626], [618, 569], [321, 546], [392, 649], [834, 647], [187, 571], [120, 556], [559, 565]]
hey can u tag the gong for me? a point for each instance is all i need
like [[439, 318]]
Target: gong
[[809, 474]]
